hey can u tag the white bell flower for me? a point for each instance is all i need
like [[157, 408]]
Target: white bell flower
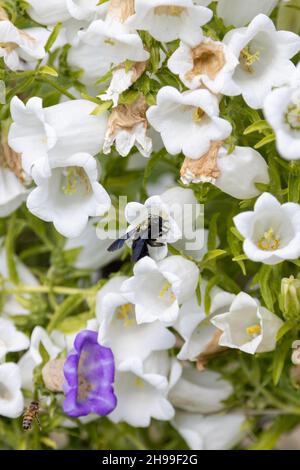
[[17, 47], [209, 63], [119, 331], [116, 44], [158, 289], [282, 111], [271, 230], [194, 326], [248, 326], [11, 398], [49, 135], [70, 195], [12, 192], [93, 244], [142, 392], [239, 13], [32, 358], [51, 12], [197, 392], [188, 122], [11, 306], [264, 55], [11, 339], [215, 432], [167, 20], [234, 173]]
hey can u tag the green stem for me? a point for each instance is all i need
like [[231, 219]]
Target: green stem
[[47, 289], [59, 88]]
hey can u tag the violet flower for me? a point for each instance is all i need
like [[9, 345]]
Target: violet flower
[[89, 371]]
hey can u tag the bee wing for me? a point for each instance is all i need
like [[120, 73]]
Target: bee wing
[[139, 249], [118, 244]]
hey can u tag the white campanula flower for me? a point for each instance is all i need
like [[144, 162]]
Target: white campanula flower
[[119, 331], [167, 20], [33, 358], [51, 12], [271, 230], [11, 305], [48, 136], [199, 335], [248, 326], [209, 63], [215, 432], [158, 289], [142, 392], [70, 195], [188, 122], [264, 59], [93, 244], [11, 339], [11, 398], [116, 44], [234, 173], [18, 47], [127, 127], [12, 192], [282, 111], [239, 13], [195, 391]]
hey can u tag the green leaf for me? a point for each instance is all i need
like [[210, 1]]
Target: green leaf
[[266, 140], [75, 323], [213, 232], [284, 329], [64, 309], [213, 254], [288, 18], [209, 286], [101, 108], [264, 279], [53, 36], [46, 70], [257, 126], [43, 352], [236, 233], [279, 357]]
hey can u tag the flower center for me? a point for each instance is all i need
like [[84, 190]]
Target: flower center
[[168, 10], [110, 41], [84, 386], [125, 313], [208, 59], [248, 58], [198, 115], [253, 330], [5, 393], [139, 382], [72, 177], [166, 293], [269, 241], [292, 116]]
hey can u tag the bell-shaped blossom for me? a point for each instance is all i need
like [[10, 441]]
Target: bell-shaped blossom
[[248, 326], [32, 358], [215, 432], [119, 330], [89, 371], [11, 398], [158, 289], [200, 336], [70, 195], [237, 13], [282, 111], [264, 59], [209, 63], [17, 47], [271, 230], [188, 122], [45, 136], [11, 339], [12, 192], [142, 392], [167, 20], [234, 173], [54, 11], [92, 245], [127, 127], [197, 392]]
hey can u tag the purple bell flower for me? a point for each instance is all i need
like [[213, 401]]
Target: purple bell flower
[[89, 371]]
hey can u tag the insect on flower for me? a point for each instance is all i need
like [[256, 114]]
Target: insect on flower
[[31, 413], [143, 235]]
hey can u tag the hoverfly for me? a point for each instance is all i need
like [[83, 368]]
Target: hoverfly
[[31, 413], [144, 235]]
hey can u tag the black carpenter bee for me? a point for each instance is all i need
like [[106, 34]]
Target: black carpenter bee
[[143, 235], [31, 413]]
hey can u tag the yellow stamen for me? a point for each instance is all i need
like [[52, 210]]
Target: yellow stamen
[[139, 382], [166, 293], [168, 10], [126, 313], [73, 175], [248, 58], [269, 241], [253, 330], [198, 115], [110, 41]]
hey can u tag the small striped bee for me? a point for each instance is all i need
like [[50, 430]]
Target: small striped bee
[[31, 413]]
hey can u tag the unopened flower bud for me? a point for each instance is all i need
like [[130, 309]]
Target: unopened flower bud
[[53, 375], [290, 298]]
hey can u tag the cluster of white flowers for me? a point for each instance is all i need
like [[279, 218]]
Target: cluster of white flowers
[[49, 159]]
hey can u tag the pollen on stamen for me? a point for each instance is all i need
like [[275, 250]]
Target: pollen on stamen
[[166, 293], [125, 313], [168, 10], [248, 58], [269, 242], [253, 330]]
